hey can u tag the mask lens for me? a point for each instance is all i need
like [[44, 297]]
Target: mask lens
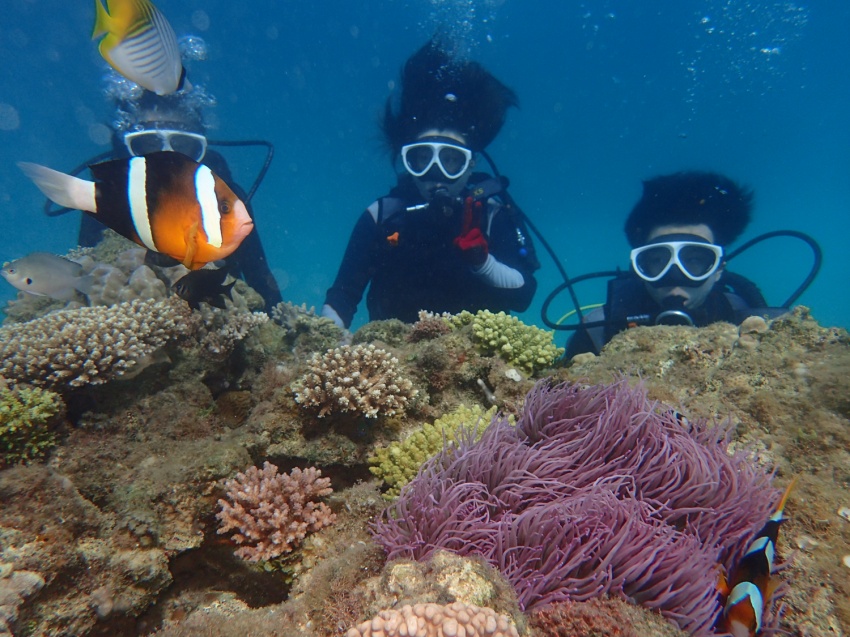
[[697, 261], [144, 142], [453, 161], [192, 146], [652, 261], [418, 158]]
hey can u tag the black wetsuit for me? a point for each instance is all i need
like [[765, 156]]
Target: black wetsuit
[[407, 258], [733, 299], [247, 262]]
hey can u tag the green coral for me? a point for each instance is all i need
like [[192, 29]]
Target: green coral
[[524, 346], [399, 463], [25, 419]]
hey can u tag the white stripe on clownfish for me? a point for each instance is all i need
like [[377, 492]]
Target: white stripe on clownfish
[[210, 215], [745, 593], [762, 544], [137, 198]]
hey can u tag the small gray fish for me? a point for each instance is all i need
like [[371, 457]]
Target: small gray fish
[[45, 274]]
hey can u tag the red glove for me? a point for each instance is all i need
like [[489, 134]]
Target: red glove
[[471, 242]]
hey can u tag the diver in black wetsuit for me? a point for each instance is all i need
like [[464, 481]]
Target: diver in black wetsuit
[[446, 238], [149, 123], [679, 229]]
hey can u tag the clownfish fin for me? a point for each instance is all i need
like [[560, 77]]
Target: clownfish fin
[[723, 581], [777, 515], [191, 240], [64, 190]]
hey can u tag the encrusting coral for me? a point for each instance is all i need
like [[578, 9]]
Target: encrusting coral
[[25, 417], [436, 620], [361, 379], [271, 512], [524, 346], [90, 345], [399, 463], [595, 490]]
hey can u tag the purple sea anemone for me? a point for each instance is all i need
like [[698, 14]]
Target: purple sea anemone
[[595, 491]]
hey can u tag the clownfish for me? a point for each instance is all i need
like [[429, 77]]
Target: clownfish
[[751, 583], [163, 201], [139, 44]]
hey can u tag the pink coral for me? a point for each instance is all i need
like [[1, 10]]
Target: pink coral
[[272, 513], [436, 620]]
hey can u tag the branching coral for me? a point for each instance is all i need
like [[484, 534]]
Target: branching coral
[[399, 463], [90, 345], [362, 379], [594, 491], [271, 512], [25, 417], [436, 620], [524, 346]]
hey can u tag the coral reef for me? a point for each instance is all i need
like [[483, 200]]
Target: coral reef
[[360, 379], [26, 418], [595, 490], [428, 327], [222, 330], [525, 346], [271, 512], [436, 620], [304, 331], [90, 345], [599, 617], [398, 464]]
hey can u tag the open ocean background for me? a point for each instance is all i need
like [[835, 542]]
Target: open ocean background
[[612, 92]]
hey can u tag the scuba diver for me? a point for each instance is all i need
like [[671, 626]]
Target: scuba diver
[[146, 122], [446, 238], [679, 231]]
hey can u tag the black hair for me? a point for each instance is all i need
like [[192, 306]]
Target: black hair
[[442, 92], [693, 197]]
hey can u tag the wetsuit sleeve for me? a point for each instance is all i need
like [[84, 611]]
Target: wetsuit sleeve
[[356, 269], [511, 246]]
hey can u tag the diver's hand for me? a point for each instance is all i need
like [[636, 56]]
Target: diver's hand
[[471, 242], [473, 247]]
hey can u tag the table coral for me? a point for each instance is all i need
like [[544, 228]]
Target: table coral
[[525, 346], [90, 345], [436, 620], [25, 417], [399, 463], [595, 490], [361, 379], [271, 512]]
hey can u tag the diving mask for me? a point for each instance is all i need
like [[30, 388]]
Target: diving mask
[[451, 159], [696, 260], [142, 142]]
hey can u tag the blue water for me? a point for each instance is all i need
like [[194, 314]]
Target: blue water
[[611, 93]]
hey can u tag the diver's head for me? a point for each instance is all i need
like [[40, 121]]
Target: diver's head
[[440, 162], [444, 99], [679, 265], [166, 123]]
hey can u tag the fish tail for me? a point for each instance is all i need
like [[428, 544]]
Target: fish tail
[[64, 190], [777, 515], [85, 284], [102, 20]]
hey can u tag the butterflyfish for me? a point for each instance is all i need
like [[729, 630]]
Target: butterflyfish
[[752, 585], [140, 44], [163, 201], [45, 274]]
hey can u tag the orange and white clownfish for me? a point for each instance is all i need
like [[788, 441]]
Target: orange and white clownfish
[[751, 583], [163, 201]]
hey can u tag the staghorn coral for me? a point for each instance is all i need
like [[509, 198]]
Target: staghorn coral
[[272, 513], [436, 620], [361, 379], [26, 414], [524, 346], [90, 345], [594, 491], [398, 464]]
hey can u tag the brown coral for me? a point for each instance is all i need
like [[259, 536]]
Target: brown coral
[[272, 513], [436, 620], [361, 379], [90, 345]]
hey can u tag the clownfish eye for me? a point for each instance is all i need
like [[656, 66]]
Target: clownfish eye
[[223, 207]]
